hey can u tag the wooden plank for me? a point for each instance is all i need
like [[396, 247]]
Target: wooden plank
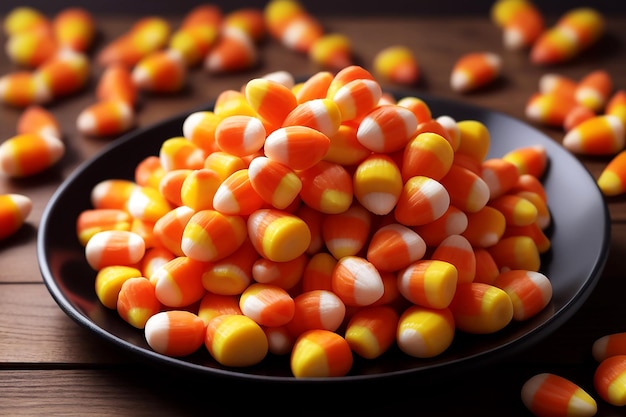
[[34, 330]]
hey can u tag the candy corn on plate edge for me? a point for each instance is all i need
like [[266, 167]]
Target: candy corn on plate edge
[[579, 234]]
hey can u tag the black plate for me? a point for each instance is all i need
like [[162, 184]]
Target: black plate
[[578, 210]]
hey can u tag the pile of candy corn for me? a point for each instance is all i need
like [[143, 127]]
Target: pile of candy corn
[[321, 219]]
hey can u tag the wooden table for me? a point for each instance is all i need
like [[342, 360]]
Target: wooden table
[[50, 365]]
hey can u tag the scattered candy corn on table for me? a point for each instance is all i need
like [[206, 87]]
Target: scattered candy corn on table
[[49, 365]]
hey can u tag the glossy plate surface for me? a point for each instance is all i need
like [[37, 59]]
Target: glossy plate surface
[[579, 235]]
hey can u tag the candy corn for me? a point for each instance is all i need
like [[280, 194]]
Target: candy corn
[[549, 109], [609, 345], [523, 27], [109, 281], [285, 275], [356, 281], [480, 308], [74, 28], [457, 251], [147, 35], [232, 274], [178, 283], [387, 128], [298, 147], [114, 247], [371, 331], [346, 233], [320, 353], [175, 333], [213, 305], [233, 51], [594, 90], [92, 221], [612, 179], [552, 395], [394, 246], [475, 70], [421, 201], [267, 304], [235, 195], [378, 183], [161, 71], [485, 227], [32, 48], [137, 301], [274, 182], [23, 18], [600, 135], [28, 154], [397, 64], [425, 332], [609, 380], [316, 309], [530, 291], [14, 209], [235, 340], [428, 283], [240, 135], [21, 89], [278, 235], [106, 118], [427, 154], [210, 235], [39, 120], [332, 51], [575, 31]]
